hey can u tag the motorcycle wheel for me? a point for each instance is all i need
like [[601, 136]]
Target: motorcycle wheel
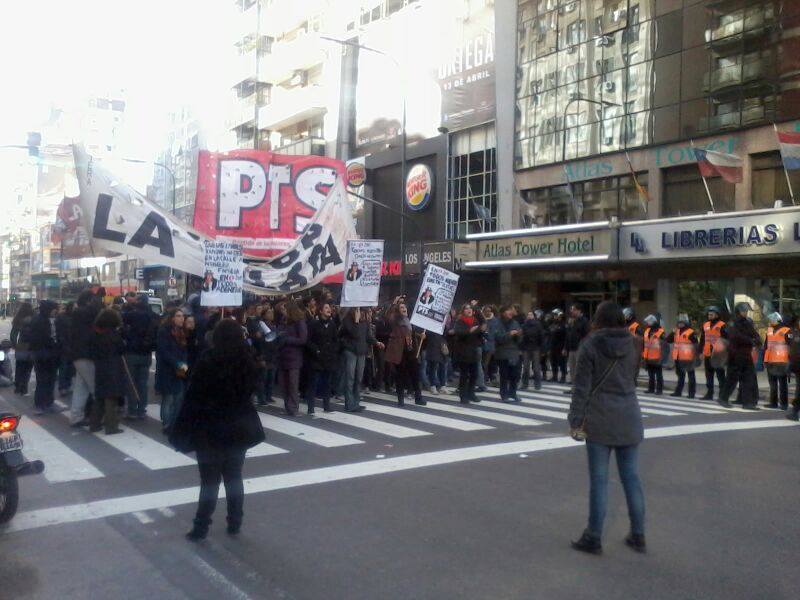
[[9, 496]]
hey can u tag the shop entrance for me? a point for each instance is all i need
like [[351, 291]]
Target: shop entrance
[[588, 294]]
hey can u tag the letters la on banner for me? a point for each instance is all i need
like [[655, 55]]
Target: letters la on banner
[[120, 220], [435, 299]]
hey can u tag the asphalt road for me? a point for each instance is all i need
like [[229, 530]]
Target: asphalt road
[[429, 502]]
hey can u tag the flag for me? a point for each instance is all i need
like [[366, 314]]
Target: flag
[[790, 149], [713, 164], [484, 214], [643, 195], [576, 203]]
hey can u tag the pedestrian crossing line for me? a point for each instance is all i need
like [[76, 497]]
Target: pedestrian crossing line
[[493, 401], [536, 397], [262, 449], [640, 393], [424, 417], [390, 429], [470, 412], [61, 463], [312, 435], [142, 517]]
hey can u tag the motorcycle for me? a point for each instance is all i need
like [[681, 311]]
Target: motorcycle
[[6, 372], [12, 465]]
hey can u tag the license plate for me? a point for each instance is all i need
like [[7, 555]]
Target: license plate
[[9, 442]]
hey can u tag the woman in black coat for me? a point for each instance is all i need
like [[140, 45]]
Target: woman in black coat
[[467, 338], [107, 347], [219, 422]]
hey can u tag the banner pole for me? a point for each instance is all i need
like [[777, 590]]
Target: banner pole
[[785, 171], [705, 183]]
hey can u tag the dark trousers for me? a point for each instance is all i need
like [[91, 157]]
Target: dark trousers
[[710, 372], [655, 379], [22, 375], [139, 369], [509, 377], [559, 363], [216, 465], [796, 401], [467, 375], [778, 389], [46, 375], [682, 373], [744, 374], [290, 381], [407, 377], [531, 361], [379, 359], [318, 381]]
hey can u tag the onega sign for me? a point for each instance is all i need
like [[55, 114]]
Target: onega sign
[[768, 233], [563, 246]]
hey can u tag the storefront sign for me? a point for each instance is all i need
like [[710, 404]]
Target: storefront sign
[[419, 187], [755, 233], [356, 173], [564, 247], [446, 254]]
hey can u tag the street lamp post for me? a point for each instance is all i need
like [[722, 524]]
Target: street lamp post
[[403, 153], [564, 119]]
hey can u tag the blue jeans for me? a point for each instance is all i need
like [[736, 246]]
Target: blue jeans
[[436, 373], [170, 407], [354, 371], [509, 377], [423, 370], [480, 375], [139, 366], [627, 464]]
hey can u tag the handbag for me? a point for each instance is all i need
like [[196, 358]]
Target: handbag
[[579, 434]]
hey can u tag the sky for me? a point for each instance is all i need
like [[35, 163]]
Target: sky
[[163, 53]]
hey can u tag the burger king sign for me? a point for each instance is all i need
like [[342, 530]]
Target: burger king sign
[[419, 187], [356, 174]]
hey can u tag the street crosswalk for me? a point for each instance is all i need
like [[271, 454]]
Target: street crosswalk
[[69, 456]]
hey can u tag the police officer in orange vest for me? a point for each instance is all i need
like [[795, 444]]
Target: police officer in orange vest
[[713, 331], [684, 353], [776, 360], [742, 339], [653, 354]]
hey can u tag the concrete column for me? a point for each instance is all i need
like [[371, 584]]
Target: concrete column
[[506, 286], [505, 19], [667, 301]]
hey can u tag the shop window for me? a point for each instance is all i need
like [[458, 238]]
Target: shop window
[[685, 194], [770, 181], [472, 183], [585, 201], [695, 296]]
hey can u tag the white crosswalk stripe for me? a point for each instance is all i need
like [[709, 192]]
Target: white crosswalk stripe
[[61, 463], [492, 401], [424, 417], [471, 412], [312, 435], [565, 401], [390, 429]]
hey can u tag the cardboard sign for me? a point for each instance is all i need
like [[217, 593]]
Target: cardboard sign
[[223, 274], [435, 299], [362, 275]]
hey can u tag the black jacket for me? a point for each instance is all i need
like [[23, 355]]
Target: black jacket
[[107, 348], [44, 340], [558, 337], [323, 345], [465, 342], [356, 337], [532, 335], [139, 330], [576, 331], [81, 330], [742, 337], [211, 417]]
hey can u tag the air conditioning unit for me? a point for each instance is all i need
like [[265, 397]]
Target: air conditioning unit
[[604, 41], [609, 86], [618, 14]]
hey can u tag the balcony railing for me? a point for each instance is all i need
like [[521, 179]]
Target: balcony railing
[[241, 111], [286, 58], [290, 106], [734, 75], [311, 146]]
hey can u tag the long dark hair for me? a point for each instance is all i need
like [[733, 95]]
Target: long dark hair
[[608, 314], [24, 311], [233, 359]]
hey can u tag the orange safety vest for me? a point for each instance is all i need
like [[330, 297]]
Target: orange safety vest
[[652, 344], [777, 348], [683, 349], [712, 334], [633, 327]]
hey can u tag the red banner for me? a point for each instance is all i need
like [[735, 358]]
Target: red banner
[[68, 232], [260, 199]]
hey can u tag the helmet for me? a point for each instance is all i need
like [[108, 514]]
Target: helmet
[[713, 308], [557, 312], [650, 320], [538, 313], [775, 317], [742, 308], [683, 318], [628, 313]]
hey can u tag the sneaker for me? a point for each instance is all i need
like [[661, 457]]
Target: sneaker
[[724, 403], [636, 542], [433, 391], [588, 543]]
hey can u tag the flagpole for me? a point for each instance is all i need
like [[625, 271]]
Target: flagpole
[[785, 171], [636, 183], [705, 183]]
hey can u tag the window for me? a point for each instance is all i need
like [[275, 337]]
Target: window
[[585, 201], [769, 181], [472, 182], [685, 194]]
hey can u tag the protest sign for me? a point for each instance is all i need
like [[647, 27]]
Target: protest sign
[[223, 274], [435, 299], [362, 277]]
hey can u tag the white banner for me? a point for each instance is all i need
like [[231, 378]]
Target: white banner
[[317, 254], [435, 298], [120, 220], [362, 276], [223, 274]]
